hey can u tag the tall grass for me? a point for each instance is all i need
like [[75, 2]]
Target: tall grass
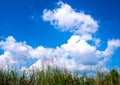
[[56, 76]]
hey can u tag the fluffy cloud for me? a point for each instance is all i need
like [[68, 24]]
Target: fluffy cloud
[[15, 53], [111, 47], [80, 50], [76, 54], [66, 18]]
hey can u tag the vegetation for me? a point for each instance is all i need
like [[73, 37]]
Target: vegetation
[[56, 76]]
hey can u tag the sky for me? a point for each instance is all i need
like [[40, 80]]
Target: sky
[[80, 35]]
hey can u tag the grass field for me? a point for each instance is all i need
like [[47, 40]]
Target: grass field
[[56, 76]]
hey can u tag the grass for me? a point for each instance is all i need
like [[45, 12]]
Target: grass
[[56, 76]]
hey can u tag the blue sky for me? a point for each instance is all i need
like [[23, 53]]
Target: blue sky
[[27, 20]]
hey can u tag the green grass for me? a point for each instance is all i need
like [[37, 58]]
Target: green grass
[[56, 76]]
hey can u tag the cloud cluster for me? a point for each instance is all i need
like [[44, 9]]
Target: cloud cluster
[[15, 53], [76, 54]]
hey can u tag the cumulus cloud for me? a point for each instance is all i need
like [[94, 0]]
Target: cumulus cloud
[[66, 18], [111, 47], [80, 50], [76, 54], [15, 53]]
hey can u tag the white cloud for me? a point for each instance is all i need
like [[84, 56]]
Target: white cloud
[[80, 50], [15, 53], [111, 47], [37, 65], [4, 59], [66, 18], [75, 54]]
